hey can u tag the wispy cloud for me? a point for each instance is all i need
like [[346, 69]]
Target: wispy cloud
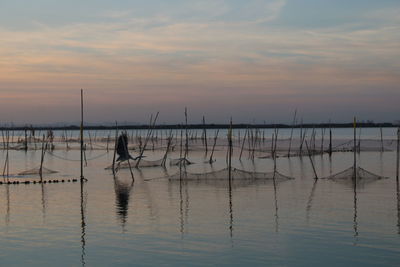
[[199, 50]]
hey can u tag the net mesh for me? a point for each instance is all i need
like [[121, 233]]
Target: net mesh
[[181, 161], [132, 163], [36, 171], [359, 172], [223, 174]]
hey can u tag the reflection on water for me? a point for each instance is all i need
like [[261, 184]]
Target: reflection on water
[[355, 222], [195, 223], [8, 204], [83, 222], [181, 218], [122, 196], [230, 209], [276, 207], [398, 206], [43, 189], [310, 198]]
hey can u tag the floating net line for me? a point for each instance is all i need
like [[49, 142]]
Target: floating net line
[[223, 174], [36, 171], [360, 173], [142, 163]]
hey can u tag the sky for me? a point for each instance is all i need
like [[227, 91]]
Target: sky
[[254, 60]]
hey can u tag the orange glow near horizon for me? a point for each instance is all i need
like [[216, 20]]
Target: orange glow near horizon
[[211, 65]]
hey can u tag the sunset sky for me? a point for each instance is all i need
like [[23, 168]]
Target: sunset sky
[[254, 60]]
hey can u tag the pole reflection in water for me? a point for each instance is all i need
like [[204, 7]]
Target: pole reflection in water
[[83, 222], [186, 203], [8, 204], [276, 206], [290, 167], [122, 196], [230, 210], [381, 163], [43, 201], [310, 199], [301, 164], [355, 223], [181, 218], [398, 206], [151, 204]]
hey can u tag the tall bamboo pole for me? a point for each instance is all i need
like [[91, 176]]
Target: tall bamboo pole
[[354, 148], [115, 147], [312, 162], [291, 132], [186, 135], [244, 140], [330, 141], [205, 134], [398, 152], [42, 158], [230, 150], [81, 133], [213, 148]]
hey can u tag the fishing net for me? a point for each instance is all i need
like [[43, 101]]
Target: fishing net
[[142, 163], [181, 161], [36, 171], [223, 174], [359, 172]]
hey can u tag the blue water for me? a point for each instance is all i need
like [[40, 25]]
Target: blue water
[[112, 222]]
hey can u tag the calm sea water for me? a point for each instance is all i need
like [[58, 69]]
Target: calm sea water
[[113, 222]]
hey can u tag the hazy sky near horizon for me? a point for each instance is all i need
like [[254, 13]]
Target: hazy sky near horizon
[[254, 60]]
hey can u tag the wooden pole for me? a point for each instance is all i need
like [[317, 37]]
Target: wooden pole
[[381, 139], [127, 153], [330, 141], [4, 140], [354, 148], [26, 140], [291, 132], [230, 151], [205, 134], [313, 139], [186, 135], [6, 162], [169, 141], [312, 163], [398, 152], [359, 141], [115, 147], [66, 139], [149, 134], [274, 154], [213, 148], [81, 136], [244, 141], [181, 147], [42, 159]]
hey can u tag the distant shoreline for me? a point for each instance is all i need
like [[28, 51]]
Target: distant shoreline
[[205, 126]]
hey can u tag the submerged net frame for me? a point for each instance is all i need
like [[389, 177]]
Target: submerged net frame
[[236, 174], [142, 163], [181, 161], [36, 171], [359, 173]]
